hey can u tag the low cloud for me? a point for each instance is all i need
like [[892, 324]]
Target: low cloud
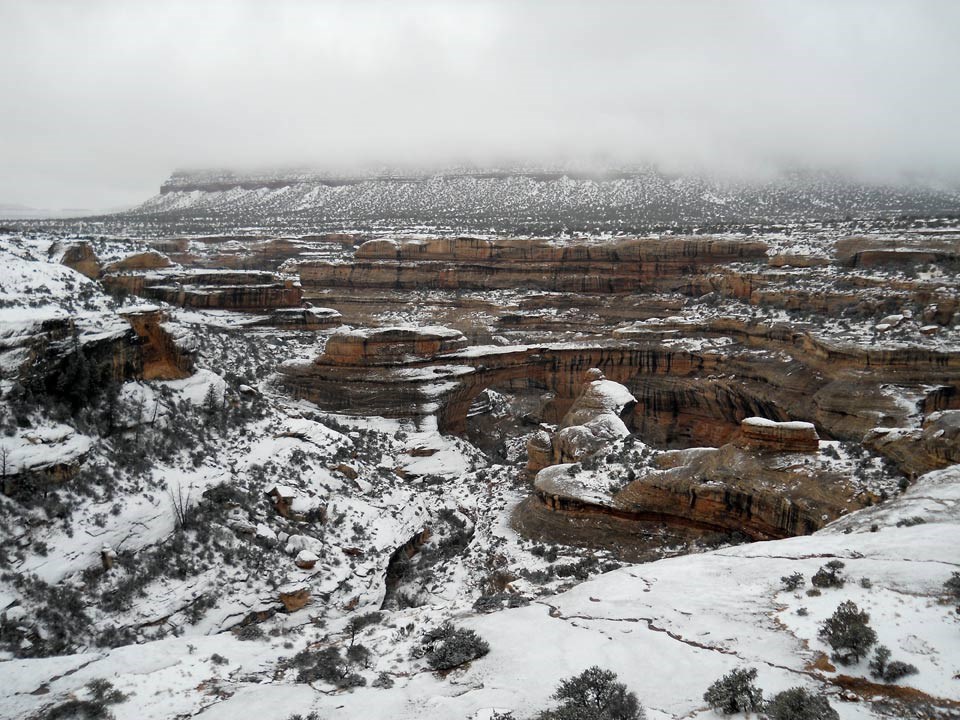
[[103, 100]]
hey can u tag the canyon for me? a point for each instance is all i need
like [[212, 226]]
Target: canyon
[[209, 434]]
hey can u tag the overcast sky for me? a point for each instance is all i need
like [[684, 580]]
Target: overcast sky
[[102, 100]]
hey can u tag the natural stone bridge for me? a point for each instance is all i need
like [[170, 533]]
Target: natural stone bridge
[[689, 391]]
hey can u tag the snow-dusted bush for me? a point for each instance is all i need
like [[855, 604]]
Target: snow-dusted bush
[[848, 633], [735, 692], [952, 586], [101, 694], [326, 665], [594, 694], [882, 668], [384, 680], [829, 575], [792, 581], [799, 704], [450, 647]]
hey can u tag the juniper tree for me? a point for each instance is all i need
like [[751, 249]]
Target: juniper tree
[[799, 704], [452, 647], [848, 633], [882, 668], [828, 575], [594, 694], [735, 692]]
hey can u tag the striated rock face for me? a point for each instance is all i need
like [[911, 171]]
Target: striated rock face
[[792, 436], [688, 393], [763, 495], [81, 257], [866, 252], [304, 318], [389, 345], [735, 489], [140, 261], [226, 290], [919, 450], [481, 264], [295, 597], [593, 421], [164, 357]]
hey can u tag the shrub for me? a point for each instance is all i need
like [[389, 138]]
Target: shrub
[[326, 665], [952, 585], [735, 692], [799, 704], [881, 668], [594, 694], [359, 622], [848, 633], [828, 575], [451, 647], [250, 632], [358, 654], [792, 582], [102, 694], [384, 680], [911, 521]]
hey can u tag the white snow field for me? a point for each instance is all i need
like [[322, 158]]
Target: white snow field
[[667, 628]]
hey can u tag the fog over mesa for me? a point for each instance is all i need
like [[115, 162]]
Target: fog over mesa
[[103, 100]]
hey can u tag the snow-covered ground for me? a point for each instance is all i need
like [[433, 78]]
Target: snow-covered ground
[[405, 522], [668, 628]]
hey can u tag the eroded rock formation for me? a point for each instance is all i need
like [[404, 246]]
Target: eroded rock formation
[[389, 345], [164, 355], [226, 290], [792, 436], [481, 264], [918, 450], [593, 421]]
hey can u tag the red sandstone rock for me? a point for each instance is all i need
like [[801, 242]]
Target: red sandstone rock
[[374, 346], [294, 598], [793, 436]]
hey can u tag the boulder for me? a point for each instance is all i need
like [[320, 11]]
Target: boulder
[[294, 597], [306, 560], [793, 436]]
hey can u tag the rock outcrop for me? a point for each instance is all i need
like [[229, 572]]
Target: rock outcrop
[[480, 264], [593, 421], [920, 450], [81, 257], [225, 290], [305, 318], [762, 494], [389, 345], [790, 436], [164, 356]]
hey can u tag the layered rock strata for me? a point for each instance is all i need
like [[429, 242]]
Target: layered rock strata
[[389, 345], [689, 391], [791, 436], [164, 355], [226, 290], [918, 450], [480, 264], [763, 494]]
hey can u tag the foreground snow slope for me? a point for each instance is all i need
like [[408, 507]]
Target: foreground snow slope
[[668, 628]]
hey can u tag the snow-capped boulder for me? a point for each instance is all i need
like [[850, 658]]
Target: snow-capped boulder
[[306, 560]]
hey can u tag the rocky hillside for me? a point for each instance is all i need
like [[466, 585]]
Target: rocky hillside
[[524, 199]]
